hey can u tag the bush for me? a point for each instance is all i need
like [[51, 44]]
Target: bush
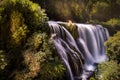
[[108, 71], [113, 22], [19, 19], [53, 71], [113, 47], [113, 25], [23, 28]]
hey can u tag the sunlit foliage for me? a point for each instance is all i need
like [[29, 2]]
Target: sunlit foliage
[[3, 61], [25, 50], [25, 41], [108, 71], [113, 47]]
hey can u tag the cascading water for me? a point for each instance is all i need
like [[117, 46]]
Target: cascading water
[[81, 55]]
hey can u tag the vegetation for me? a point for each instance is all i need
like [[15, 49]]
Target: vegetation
[[3, 61], [108, 71], [113, 47], [25, 50], [104, 12]]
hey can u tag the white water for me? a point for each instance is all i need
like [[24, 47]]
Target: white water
[[80, 56]]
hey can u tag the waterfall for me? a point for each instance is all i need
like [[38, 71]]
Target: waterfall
[[80, 55]]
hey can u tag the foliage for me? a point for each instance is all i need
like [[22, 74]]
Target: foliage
[[113, 22], [98, 9], [24, 38], [108, 71], [92, 78], [72, 28], [113, 47], [53, 70], [36, 40], [65, 10], [32, 66], [81, 10], [3, 61], [113, 25], [118, 2], [18, 28], [19, 17]]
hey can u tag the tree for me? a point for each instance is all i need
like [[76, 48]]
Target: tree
[[25, 41], [100, 11]]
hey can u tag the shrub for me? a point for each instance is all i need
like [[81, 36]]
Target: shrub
[[108, 71], [113, 22], [24, 38], [52, 71], [113, 47], [19, 17]]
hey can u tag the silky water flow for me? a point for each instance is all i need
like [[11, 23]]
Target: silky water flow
[[80, 56]]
